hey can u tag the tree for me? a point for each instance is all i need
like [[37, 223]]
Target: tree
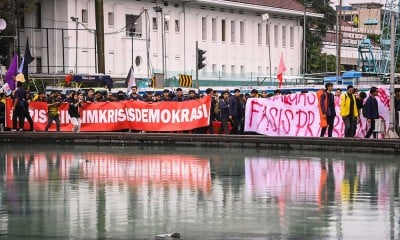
[[12, 11], [316, 30]]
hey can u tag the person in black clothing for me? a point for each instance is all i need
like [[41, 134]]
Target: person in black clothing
[[236, 112], [19, 108], [328, 109], [360, 104], [397, 108], [74, 108], [371, 111], [224, 112], [27, 113], [179, 96]]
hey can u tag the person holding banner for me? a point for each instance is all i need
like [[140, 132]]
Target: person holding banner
[[348, 111], [52, 113]]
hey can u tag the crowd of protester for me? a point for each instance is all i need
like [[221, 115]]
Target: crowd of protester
[[227, 108]]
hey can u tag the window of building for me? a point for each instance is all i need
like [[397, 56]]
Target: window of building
[[223, 30], [259, 32], [233, 33], [110, 18], [267, 34], [177, 26], [166, 25], [283, 36], [291, 71], [276, 35], [155, 25], [133, 25], [241, 32], [259, 70], [84, 16], [223, 71], [214, 70], [214, 29], [38, 64], [267, 70], [204, 28], [291, 36], [242, 73], [233, 70], [38, 15]]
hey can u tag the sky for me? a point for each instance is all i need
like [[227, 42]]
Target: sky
[[348, 2]]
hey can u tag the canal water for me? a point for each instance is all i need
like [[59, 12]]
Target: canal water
[[141, 192]]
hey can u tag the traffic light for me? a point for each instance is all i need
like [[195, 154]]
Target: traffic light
[[201, 58]]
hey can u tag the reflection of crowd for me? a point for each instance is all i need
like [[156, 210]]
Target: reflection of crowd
[[227, 113]]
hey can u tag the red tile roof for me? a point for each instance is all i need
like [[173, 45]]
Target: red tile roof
[[285, 4]]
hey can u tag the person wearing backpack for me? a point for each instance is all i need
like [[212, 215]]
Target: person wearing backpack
[[371, 111], [349, 111]]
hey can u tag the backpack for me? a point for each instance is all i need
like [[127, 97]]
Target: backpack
[[363, 112]]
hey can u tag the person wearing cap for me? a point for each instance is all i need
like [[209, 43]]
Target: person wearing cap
[[371, 111], [349, 111], [134, 96], [236, 112]]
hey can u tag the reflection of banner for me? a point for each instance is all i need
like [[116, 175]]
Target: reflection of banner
[[289, 179], [186, 171], [112, 116], [298, 115]]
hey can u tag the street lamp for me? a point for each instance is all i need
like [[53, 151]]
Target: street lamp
[[265, 17], [306, 5], [75, 19]]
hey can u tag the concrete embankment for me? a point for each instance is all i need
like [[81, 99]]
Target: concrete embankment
[[258, 142]]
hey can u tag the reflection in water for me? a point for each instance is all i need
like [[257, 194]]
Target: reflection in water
[[230, 194]]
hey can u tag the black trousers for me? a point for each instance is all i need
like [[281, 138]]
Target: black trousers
[[50, 120], [18, 116], [371, 130], [29, 118], [349, 125], [330, 120]]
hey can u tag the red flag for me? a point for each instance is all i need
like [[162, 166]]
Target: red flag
[[281, 70]]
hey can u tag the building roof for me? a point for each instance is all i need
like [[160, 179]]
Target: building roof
[[285, 4]]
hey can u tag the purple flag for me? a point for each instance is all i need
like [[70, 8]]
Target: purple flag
[[12, 72]]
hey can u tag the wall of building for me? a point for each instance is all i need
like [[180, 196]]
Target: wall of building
[[226, 59]]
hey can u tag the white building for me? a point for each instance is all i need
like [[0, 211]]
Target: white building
[[240, 45]]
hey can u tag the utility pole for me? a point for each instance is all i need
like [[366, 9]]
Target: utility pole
[[338, 38], [392, 119], [100, 34]]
